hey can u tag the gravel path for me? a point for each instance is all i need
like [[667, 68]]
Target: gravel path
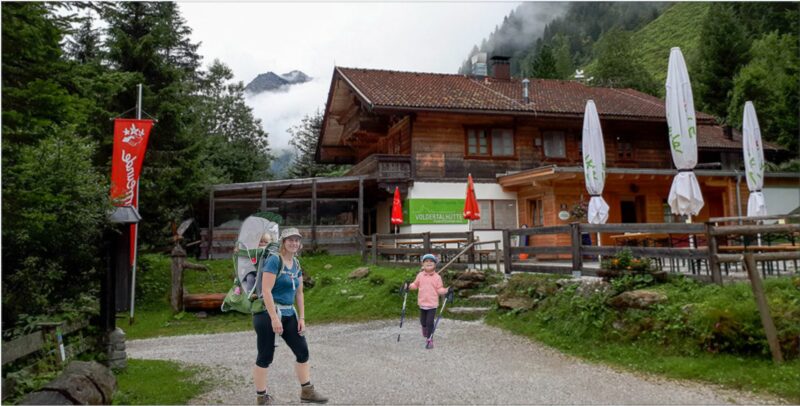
[[472, 364]]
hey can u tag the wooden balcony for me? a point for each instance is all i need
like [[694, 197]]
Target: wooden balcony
[[383, 167]]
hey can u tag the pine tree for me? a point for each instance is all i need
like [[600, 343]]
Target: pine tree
[[617, 65], [723, 50], [305, 137], [151, 41], [544, 66], [236, 143]]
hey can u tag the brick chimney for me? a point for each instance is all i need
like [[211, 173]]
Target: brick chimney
[[728, 131], [501, 69]]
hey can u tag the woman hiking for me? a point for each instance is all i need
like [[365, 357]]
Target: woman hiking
[[282, 287]]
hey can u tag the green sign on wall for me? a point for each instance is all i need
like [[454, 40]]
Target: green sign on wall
[[433, 211]]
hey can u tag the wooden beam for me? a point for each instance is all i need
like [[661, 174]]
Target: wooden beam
[[263, 206], [210, 222], [314, 214], [360, 206], [763, 308]]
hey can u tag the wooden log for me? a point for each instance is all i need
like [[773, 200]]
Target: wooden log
[[662, 252], [757, 229], [556, 249], [203, 301], [777, 256], [666, 228], [540, 230], [763, 308]]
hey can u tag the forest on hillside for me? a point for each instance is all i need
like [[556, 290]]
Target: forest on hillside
[[735, 52]]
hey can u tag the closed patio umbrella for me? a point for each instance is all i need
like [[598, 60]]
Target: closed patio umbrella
[[753, 161], [685, 197], [471, 209], [397, 210], [594, 166]]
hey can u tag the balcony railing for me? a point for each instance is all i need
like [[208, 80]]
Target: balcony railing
[[383, 166]]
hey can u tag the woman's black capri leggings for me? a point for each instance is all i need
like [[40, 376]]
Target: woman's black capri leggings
[[266, 339]]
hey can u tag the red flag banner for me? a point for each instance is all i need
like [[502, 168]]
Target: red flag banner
[[130, 144]]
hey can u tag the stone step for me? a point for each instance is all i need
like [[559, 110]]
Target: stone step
[[469, 310], [483, 296]]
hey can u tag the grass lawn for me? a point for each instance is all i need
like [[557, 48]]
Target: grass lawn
[[748, 373], [333, 298], [336, 298], [150, 382]]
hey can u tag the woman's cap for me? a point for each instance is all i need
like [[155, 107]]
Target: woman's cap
[[290, 232], [429, 256]]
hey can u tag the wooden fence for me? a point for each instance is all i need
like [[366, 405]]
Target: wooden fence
[[677, 247], [50, 337], [406, 249]]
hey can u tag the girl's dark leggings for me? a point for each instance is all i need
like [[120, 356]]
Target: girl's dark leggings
[[265, 339], [426, 318]]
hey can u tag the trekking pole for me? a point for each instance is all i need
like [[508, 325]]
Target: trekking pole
[[450, 296], [403, 312], [456, 257]]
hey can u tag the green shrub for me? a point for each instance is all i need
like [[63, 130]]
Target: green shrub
[[55, 204]]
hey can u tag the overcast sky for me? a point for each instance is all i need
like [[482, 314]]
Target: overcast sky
[[253, 38]]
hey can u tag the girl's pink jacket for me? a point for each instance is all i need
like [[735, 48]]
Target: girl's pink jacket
[[430, 286]]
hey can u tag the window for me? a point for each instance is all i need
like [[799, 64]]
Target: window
[[486, 142], [624, 149], [502, 142], [537, 213], [477, 143], [496, 215], [505, 214], [554, 144]]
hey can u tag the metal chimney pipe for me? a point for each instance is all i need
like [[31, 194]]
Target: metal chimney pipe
[[526, 90]]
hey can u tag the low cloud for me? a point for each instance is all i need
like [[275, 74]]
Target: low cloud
[[282, 110]]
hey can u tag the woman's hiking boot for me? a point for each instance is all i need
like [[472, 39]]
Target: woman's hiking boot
[[309, 395], [263, 399], [429, 344]]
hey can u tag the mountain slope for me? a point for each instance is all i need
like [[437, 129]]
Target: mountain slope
[[678, 26]]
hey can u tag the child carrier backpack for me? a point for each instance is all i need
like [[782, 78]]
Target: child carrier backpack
[[257, 241]]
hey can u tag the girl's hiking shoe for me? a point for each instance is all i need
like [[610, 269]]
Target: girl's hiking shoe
[[263, 399], [309, 395], [429, 344]]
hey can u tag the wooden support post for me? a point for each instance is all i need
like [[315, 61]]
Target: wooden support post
[[210, 223], [263, 206], [507, 251], [51, 330], [314, 214], [763, 308], [176, 294], [375, 249], [426, 241], [470, 240], [497, 256], [713, 264], [360, 221], [577, 259]]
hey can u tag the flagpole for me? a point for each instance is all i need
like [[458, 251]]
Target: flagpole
[[135, 226]]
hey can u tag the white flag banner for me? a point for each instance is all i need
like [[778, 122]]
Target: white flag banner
[[685, 197], [594, 164], [753, 161]]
